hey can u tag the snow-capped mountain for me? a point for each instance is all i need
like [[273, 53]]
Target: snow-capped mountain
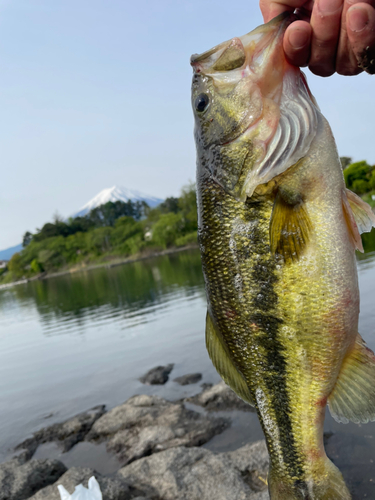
[[117, 193]]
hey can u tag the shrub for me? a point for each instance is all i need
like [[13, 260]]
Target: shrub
[[167, 229], [187, 239], [355, 172]]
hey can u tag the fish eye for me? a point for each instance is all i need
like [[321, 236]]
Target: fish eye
[[201, 102]]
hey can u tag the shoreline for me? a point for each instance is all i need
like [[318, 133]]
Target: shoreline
[[121, 445], [125, 450], [109, 264]]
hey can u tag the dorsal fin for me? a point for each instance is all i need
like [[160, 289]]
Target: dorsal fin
[[358, 216], [362, 212]]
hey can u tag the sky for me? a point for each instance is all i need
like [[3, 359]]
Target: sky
[[97, 93]]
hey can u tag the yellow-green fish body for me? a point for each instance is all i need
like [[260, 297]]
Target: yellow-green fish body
[[277, 232]]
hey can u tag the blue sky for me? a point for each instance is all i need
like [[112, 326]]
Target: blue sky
[[97, 93]]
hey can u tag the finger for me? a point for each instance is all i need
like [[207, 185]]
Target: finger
[[346, 61], [297, 40], [325, 23], [304, 13], [360, 21], [273, 9]]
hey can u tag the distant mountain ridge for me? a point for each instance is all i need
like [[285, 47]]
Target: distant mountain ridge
[[117, 193], [8, 252]]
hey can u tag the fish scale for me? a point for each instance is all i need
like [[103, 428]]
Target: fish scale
[[251, 260]]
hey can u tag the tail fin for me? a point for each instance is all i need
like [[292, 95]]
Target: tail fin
[[327, 485]]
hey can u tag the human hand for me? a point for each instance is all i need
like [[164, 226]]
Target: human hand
[[330, 35]]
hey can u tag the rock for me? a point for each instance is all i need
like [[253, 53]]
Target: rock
[[112, 488], [157, 376], [219, 397], [191, 378], [199, 474], [206, 386], [252, 462], [67, 433], [20, 480], [147, 424]]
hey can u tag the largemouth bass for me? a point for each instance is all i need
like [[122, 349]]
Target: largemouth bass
[[278, 232]]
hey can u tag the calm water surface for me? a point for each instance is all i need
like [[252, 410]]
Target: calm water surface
[[75, 341]]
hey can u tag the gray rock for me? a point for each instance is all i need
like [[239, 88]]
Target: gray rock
[[199, 474], [252, 462], [147, 424], [157, 376], [112, 488], [20, 480], [219, 397], [66, 434], [205, 386], [191, 378]]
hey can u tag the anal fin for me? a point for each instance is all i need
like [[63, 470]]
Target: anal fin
[[224, 364], [353, 397], [290, 227]]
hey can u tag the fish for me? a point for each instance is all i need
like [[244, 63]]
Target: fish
[[277, 231]]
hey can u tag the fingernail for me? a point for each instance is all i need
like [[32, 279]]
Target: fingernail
[[357, 18], [298, 38]]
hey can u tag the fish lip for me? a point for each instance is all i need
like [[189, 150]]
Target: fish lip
[[285, 19]]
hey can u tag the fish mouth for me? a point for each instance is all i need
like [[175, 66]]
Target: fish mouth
[[257, 58], [243, 51]]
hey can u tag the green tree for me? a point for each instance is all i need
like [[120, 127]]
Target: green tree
[[372, 180], [345, 161], [361, 186], [188, 206], [52, 253], [167, 229], [125, 228], [99, 240], [36, 266], [359, 171], [26, 240], [15, 266], [170, 204]]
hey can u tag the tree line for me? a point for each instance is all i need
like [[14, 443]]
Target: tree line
[[120, 229], [113, 230]]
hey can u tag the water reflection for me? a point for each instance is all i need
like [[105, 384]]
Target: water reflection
[[74, 341], [131, 292]]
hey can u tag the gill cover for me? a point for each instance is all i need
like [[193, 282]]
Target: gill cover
[[254, 114]]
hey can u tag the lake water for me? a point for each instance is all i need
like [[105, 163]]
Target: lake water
[[75, 341]]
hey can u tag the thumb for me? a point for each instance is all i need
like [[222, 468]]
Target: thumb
[[360, 23]]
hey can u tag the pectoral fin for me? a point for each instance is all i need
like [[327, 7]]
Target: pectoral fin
[[224, 364], [353, 397], [290, 228]]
